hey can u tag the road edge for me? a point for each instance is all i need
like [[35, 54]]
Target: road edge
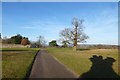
[[75, 74]]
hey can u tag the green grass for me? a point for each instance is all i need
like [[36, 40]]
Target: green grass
[[16, 65], [79, 61], [19, 49]]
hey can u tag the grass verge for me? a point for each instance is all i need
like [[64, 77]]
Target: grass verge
[[19, 49], [79, 61], [17, 65]]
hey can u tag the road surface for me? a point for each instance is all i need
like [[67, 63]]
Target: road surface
[[46, 66]]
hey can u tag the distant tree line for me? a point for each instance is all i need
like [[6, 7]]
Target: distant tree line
[[17, 39], [41, 42], [102, 46], [98, 46]]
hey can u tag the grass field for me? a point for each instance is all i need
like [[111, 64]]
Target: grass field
[[19, 49], [79, 61], [16, 62]]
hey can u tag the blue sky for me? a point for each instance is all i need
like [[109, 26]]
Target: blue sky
[[32, 19]]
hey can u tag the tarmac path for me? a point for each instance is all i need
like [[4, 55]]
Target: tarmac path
[[46, 66]]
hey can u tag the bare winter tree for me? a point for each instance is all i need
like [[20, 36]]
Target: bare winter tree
[[65, 37], [41, 41], [74, 35]]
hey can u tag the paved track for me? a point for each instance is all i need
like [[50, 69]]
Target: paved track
[[46, 66]]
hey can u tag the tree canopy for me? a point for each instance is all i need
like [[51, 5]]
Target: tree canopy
[[24, 41], [17, 39], [53, 43], [75, 34]]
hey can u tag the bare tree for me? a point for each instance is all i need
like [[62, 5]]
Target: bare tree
[[74, 35], [41, 41], [65, 36]]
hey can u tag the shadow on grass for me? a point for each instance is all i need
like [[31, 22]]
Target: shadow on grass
[[100, 69], [82, 49]]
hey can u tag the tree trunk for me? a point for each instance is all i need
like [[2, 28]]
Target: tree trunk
[[75, 39], [74, 48]]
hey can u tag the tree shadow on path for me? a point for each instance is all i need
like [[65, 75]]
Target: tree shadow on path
[[100, 69]]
